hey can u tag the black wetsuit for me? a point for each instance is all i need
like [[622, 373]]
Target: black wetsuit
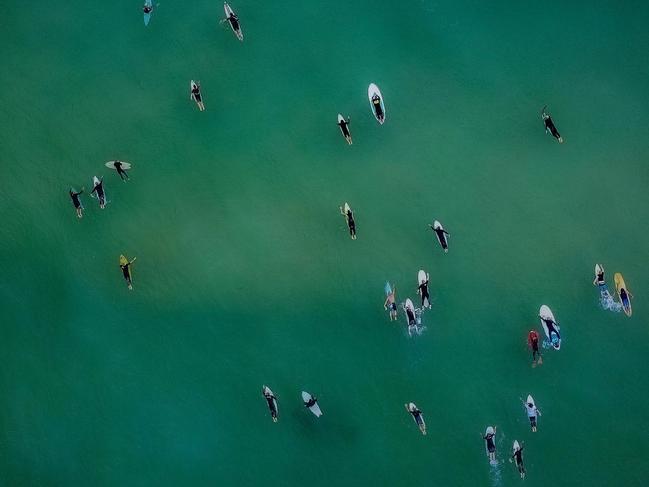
[[491, 446], [126, 272], [343, 126], [351, 223], [311, 402], [147, 9], [417, 415], [75, 199], [99, 189], [551, 327], [376, 101], [423, 290], [411, 317], [535, 347], [518, 455], [196, 91], [271, 405], [234, 21], [600, 279], [120, 171], [441, 234], [549, 125]]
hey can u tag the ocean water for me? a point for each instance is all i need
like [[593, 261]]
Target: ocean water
[[245, 274]]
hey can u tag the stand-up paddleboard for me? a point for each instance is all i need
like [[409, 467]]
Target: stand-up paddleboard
[[441, 236], [490, 431], [273, 407], [101, 198], [147, 15], [623, 293], [197, 98], [111, 164], [315, 409], [419, 418], [552, 330], [236, 26], [348, 137], [377, 109]]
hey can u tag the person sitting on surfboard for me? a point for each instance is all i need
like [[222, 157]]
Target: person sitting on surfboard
[[532, 413], [77, 202], [125, 265], [423, 291], [440, 232], [549, 126], [311, 402], [99, 189], [376, 102], [390, 304], [120, 170], [349, 216], [533, 343], [518, 455]]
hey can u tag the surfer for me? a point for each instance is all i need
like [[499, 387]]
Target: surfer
[[518, 455], [120, 170], [599, 278], [311, 402], [147, 8], [99, 189], [441, 236], [532, 413], [77, 202], [423, 291], [625, 294], [234, 21], [553, 333], [376, 103], [533, 343], [344, 127], [349, 216], [125, 265], [270, 399], [491, 445], [416, 413], [196, 93], [390, 304], [549, 125]]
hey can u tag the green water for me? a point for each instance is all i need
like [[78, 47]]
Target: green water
[[246, 276]]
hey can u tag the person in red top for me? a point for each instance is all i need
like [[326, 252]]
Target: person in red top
[[533, 343]]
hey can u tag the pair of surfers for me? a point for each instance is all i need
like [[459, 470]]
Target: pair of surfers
[[308, 400], [605, 296], [517, 450]]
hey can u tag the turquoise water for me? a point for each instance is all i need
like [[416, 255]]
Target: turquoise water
[[246, 276]]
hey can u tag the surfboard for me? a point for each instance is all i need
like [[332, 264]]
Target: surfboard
[[315, 409], [371, 91], [147, 16], [530, 400], [111, 164], [266, 390], [421, 424], [192, 85], [515, 447], [443, 240], [388, 288], [546, 313], [619, 286], [490, 431], [237, 32], [421, 276], [347, 138], [346, 208]]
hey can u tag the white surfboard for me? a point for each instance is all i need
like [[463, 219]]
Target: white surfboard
[[422, 276], [315, 409], [545, 313], [371, 91], [346, 208], [421, 424], [111, 164], [443, 240], [515, 446], [228, 11], [530, 400], [199, 101], [348, 138], [266, 390]]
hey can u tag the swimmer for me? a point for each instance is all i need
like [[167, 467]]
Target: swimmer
[[549, 125], [518, 455], [349, 217], [423, 291], [533, 343], [120, 170], [147, 8], [99, 189], [125, 265], [271, 400], [390, 304], [491, 445], [77, 202], [441, 236], [344, 127], [376, 103], [532, 413], [311, 402]]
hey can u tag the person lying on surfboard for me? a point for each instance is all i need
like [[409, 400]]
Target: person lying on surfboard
[[376, 102], [74, 196], [549, 125], [311, 402], [599, 279], [491, 446], [120, 170], [440, 232], [349, 216], [234, 21], [623, 295], [518, 455], [127, 272], [99, 189], [533, 343], [196, 92], [532, 413], [390, 304], [343, 124], [423, 291]]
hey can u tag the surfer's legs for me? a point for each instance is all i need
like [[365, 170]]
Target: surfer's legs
[[533, 423], [122, 174]]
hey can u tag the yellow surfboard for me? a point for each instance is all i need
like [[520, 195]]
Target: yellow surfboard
[[626, 300]]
